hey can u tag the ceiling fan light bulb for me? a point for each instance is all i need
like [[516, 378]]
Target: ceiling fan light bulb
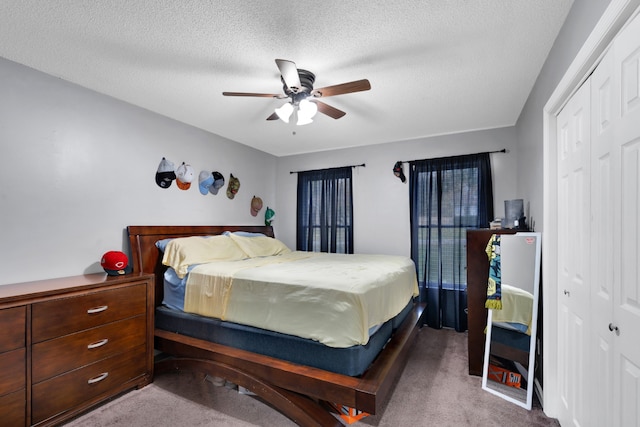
[[308, 108], [303, 120], [284, 112]]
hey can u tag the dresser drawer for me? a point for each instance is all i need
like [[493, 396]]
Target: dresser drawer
[[13, 409], [64, 316], [51, 397], [13, 328], [12, 371], [56, 356]]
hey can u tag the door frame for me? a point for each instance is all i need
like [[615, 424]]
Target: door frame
[[612, 21]]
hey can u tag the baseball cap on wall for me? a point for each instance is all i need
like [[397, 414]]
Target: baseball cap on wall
[[218, 182], [269, 215], [205, 181], [115, 263], [165, 173], [256, 205], [399, 172], [233, 187], [184, 176]]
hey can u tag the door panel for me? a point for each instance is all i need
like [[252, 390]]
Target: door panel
[[573, 255], [626, 228], [603, 110]]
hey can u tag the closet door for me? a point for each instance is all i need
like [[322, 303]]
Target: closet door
[[604, 108], [599, 242], [573, 136], [626, 229]]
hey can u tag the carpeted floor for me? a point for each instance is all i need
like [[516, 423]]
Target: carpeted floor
[[434, 389]]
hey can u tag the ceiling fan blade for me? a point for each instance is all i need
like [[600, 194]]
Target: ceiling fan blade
[[329, 110], [355, 86], [259, 95], [290, 75], [273, 116]]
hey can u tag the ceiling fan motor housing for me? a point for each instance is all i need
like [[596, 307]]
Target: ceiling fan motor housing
[[307, 78]]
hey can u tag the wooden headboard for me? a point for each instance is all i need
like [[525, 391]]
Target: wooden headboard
[[145, 256]]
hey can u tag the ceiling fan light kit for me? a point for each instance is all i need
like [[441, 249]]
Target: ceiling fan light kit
[[298, 87], [306, 111], [284, 112]]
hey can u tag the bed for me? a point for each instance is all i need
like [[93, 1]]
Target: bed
[[511, 326], [300, 388]]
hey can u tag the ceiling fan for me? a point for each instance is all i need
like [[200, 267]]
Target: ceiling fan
[[303, 98]]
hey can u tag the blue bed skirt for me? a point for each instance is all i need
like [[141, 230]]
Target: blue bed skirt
[[511, 338], [351, 361]]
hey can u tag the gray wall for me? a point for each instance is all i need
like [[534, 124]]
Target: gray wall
[[380, 200], [78, 167], [582, 18]]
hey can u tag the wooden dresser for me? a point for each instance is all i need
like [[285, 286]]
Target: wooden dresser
[[70, 343], [477, 278]]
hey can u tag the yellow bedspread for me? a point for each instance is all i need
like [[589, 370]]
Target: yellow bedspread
[[331, 298], [517, 307]]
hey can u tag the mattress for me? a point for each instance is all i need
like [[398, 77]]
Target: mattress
[[351, 361], [335, 299], [510, 338]]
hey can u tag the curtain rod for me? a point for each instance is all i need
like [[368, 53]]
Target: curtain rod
[[504, 150], [339, 167]]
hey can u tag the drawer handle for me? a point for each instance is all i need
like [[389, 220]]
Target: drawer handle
[[98, 343], [99, 378], [97, 309]]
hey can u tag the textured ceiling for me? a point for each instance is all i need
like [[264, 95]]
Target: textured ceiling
[[435, 67]]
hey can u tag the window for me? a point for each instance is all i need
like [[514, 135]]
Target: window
[[325, 211], [448, 196]]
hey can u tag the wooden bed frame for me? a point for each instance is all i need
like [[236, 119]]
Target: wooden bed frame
[[508, 352], [299, 392]]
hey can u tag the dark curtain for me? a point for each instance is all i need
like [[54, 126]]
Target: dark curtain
[[447, 197], [325, 211]]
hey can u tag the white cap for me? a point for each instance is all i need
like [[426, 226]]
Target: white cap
[[184, 175]]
